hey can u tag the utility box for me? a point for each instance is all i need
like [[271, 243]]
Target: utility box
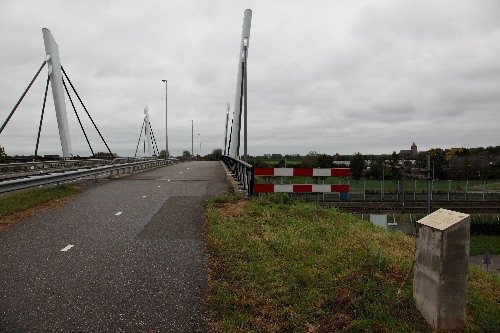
[[441, 269]]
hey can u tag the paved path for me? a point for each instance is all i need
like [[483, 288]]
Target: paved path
[[478, 261], [134, 259]]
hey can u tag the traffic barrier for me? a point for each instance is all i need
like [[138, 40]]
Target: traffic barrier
[[301, 172]]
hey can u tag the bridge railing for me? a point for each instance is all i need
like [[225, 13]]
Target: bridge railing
[[243, 171], [64, 175]]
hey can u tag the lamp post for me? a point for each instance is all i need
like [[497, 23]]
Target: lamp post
[[167, 155], [192, 139], [199, 139]]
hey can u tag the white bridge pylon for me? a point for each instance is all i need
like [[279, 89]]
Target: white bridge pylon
[[148, 132], [235, 134], [54, 64]]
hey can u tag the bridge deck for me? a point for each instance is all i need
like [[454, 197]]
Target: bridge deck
[[133, 259]]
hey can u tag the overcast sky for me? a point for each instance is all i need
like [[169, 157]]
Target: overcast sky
[[329, 76]]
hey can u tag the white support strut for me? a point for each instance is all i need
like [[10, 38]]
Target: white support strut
[[148, 133], [235, 135], [54, 64]]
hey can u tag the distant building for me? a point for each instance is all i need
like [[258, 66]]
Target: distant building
[[413, 152]]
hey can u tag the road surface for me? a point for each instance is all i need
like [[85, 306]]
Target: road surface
[[125, 255]]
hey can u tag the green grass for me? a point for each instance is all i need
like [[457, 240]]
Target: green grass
[[22, 200], [480, 244], [302, 268]]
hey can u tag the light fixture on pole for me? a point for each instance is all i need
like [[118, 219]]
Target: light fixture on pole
[[167, 154]]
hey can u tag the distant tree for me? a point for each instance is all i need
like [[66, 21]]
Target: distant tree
[[324, 161], [438, 163], [357, 165], [394, 163], [186, 154], [376, 168], [310, 161], [163, 154], [421, 161], [214, 156], [455, 152]]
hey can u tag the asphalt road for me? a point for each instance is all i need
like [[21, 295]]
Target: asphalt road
[[133, 260]]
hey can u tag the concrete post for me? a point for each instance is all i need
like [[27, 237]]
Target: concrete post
[[52, 51], [441, 268]]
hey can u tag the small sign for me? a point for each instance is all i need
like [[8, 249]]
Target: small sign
[[442, 219]]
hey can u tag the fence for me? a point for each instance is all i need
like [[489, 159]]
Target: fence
[[335, 185]]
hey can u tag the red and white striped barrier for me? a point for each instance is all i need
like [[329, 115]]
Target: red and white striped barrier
[[300, 188], [302, 172]]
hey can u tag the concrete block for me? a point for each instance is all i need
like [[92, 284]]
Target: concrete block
[[441, 268]]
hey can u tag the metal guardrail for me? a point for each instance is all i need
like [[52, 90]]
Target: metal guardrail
[[66, 175], [243, 171]]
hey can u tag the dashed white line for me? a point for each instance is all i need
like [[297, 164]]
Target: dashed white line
[[144, 196], [67, 248], [119, 213]]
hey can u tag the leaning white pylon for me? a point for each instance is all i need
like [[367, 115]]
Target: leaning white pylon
[[148, 133], [235, 135], [54, 64]]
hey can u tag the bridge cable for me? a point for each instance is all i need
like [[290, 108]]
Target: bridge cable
[[140, 135], [79, 121], [154, 140], [41, 117], [241, 107], [230, 136], [19, 101], [88, 114]]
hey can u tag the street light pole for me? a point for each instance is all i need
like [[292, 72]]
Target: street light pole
[[192, 139], [167, 155], [199, 139]]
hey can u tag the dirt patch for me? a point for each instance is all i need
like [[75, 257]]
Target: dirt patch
[[236, 209], [16, 217]]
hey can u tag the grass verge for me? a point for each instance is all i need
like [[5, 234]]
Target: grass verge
[[301, 268], [480, 244], [20, 204]]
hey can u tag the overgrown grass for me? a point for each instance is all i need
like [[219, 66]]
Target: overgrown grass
[[481, 244], [302, 268], [22, 200]]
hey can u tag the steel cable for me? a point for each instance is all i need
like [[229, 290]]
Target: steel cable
[[79, 121], [20, 100], [88, 114], [41, 117]]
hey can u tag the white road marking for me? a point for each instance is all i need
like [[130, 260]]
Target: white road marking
[[188, 168], [159, 186], [168, 180], [181, 171], [144, 196], [119, 213], [67, 248]]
